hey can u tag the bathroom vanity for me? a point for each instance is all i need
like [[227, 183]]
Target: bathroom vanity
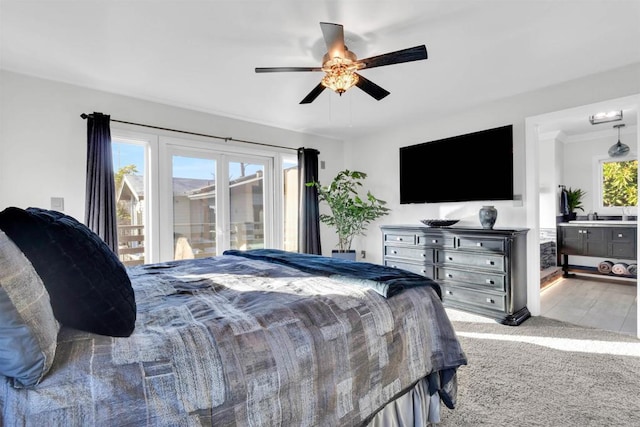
[[607, 239]]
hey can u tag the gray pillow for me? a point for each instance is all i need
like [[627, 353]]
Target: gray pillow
[[28, 328]]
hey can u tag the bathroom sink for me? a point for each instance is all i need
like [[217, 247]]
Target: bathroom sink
[[605, 222]]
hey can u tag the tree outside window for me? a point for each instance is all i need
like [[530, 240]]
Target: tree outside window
[[620, 183]]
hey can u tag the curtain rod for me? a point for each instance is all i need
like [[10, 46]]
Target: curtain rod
[[224, 138]]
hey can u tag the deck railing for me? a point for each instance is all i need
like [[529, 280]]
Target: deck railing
[[200, 237], [131, 244]]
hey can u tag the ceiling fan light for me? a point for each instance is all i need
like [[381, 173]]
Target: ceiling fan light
[[340, 79]]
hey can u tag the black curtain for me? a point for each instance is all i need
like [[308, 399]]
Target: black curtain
[[100, 204], [308, 210]]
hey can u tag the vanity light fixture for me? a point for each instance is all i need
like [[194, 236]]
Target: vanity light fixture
[[605, 117], [618, 149]]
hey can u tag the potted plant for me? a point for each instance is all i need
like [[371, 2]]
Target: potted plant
[[574, 201], [350, 214]]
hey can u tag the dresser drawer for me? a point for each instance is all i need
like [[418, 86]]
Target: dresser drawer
[[424, 270], [419, 254], [481, 244], [440, 241], [484, 261], [490, 281], [480, 299], [409, 239]]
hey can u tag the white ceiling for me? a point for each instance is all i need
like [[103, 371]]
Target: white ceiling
[[202, 54]]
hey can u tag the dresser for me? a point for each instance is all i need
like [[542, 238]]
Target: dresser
[[480, 271]]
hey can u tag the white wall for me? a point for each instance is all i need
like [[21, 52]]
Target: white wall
[[43, 139], [549, 192], [378, 154]]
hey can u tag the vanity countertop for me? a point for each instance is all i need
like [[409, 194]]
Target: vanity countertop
[[600, 223]]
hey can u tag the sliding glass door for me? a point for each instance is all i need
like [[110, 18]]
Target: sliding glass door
[[246, 193], [193, 193], [185, 199], [218, 202]]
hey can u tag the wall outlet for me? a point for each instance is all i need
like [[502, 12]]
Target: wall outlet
[[363, 254]]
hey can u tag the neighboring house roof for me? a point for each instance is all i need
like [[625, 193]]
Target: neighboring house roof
[[186, 186], [136, 184], [190, 187]]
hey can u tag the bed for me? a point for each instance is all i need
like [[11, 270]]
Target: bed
[[255, 338]]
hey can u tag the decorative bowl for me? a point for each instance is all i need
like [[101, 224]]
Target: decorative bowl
[[439, 222]]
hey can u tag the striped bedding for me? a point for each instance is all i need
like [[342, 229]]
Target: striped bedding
[[232, 341]]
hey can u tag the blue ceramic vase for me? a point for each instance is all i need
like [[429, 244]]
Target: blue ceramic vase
[[488, 216]]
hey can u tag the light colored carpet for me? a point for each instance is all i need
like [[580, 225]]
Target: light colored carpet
[[544, 373]]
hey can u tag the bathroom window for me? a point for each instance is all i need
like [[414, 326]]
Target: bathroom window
[[617, 186]]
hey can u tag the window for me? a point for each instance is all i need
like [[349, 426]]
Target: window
[[617, 185], [129, 176], [183, 198]]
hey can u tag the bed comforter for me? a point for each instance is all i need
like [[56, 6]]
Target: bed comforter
[[233, 341]]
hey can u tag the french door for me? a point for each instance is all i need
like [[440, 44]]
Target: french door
[[212, 201]]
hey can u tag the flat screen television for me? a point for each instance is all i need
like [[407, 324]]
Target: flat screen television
[[474, 167]]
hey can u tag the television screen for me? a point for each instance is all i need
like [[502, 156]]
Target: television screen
[[472, 167]]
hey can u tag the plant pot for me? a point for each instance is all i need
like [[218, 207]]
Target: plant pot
[[348, 255]]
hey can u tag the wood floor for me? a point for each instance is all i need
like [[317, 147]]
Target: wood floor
[[587, 301]]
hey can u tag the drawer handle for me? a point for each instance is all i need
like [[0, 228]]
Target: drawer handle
[[423, 270], [434, 241], [448, 292], [490, 300], [423, 255], [490, 282], [393, 266], [450, 258], [489, 262], [479, 244], [399, 239], [619, 235], [449, 275], [394, 252]]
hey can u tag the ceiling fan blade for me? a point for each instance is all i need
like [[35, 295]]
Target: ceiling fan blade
[[334, 38], [371, 88], [405, 55], [313, 94], [285, 69]]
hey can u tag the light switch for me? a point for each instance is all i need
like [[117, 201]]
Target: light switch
[[517, 200], [57, 204]]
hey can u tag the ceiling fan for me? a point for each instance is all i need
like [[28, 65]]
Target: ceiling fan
[[340, 65]]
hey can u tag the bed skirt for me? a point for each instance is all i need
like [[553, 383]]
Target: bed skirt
[[413, 409]]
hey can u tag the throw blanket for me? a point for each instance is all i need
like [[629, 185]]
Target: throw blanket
[[386, 281]]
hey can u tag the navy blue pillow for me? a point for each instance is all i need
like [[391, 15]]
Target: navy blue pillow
[[88, 286]]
